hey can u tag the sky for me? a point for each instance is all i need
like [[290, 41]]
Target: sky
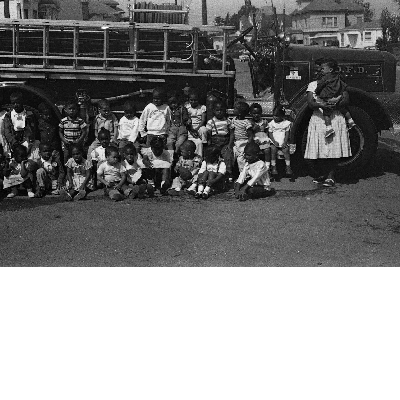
[[222, 7]]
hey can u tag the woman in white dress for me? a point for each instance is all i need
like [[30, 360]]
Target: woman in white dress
[[325, 153]]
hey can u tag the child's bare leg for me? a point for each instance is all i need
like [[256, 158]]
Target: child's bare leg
[[349, 119], [165, 180], [274, 152], [207, 189], [267, 157], [286, 154], [202, 181]]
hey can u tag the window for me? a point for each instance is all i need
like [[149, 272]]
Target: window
[[360, 20], [342, 39], [329, 22], [26, 13], [368, 36], [35, 14]]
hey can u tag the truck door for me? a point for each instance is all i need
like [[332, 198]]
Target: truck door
[[296, 75]]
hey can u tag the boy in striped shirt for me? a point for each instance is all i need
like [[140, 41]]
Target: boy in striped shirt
[[243, 132], [72, 129]]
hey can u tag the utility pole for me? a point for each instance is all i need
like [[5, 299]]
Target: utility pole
[[204, 12], [6, 8]]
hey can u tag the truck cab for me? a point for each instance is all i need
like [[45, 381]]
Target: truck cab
[[281, 72]]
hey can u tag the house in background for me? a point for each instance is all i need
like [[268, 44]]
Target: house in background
[[360, 35], [320, 21], [49, 9], [21, 9]]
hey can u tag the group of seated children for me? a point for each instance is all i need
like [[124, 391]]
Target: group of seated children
[[171, 148]]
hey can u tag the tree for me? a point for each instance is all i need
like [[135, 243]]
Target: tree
[[246, 10], [368, 13], [219, 21]]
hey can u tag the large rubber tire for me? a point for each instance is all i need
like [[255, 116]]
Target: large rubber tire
[[363, 142]]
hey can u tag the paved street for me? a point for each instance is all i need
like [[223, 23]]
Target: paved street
[[357, 223]]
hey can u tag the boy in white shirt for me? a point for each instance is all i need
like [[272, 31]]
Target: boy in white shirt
[[156, 118], [128, 128], [253, 181]]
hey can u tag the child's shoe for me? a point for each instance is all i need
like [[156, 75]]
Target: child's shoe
[[289, 171], [31, 195], [40, 192], [142, 191], [80, 195], [150, 190], [134, 192], [174, 192], [205, 195], [191, 190], [197, 195], [164, 189], [292, 148], [115, 195], [13, 193], [64, 194]]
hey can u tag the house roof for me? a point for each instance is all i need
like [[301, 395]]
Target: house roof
[[98, 7], [330, 6], [70, 10], [374, 24]]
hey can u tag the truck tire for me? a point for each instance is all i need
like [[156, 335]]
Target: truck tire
[[363, 142]]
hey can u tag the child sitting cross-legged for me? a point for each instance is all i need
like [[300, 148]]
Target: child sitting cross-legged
[[253, 181], [136, 185], [50, 174], [78, 176], [211, 173], [112, 174], [158, 165], [19, 171], [187, 169]]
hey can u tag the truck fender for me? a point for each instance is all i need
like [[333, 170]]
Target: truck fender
[[33, 96], [372, 106]]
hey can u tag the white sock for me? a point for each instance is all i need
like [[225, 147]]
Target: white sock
[[329, 127], [287, 163], [267, 164], [193, 186], [207, 189], [200, 189], [150, 182], [162, 183], [273, 163]]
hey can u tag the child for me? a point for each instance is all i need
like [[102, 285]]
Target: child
[[243, 132], [50, 174], [19, 125], [72, 129], [112, 174], [47, 127], [219, 133], [177, 134], [128, 127], [136, 185], [98, 155], [19, 172], [187, 169], [211, 173], [198, 119], [3, 163], [253, 181], [260, 129], [78, 176], [330, 89], [105, 119], [156, 118], [158, 165], [278, 133]]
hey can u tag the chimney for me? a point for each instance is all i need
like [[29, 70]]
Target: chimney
[[85, 9]]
